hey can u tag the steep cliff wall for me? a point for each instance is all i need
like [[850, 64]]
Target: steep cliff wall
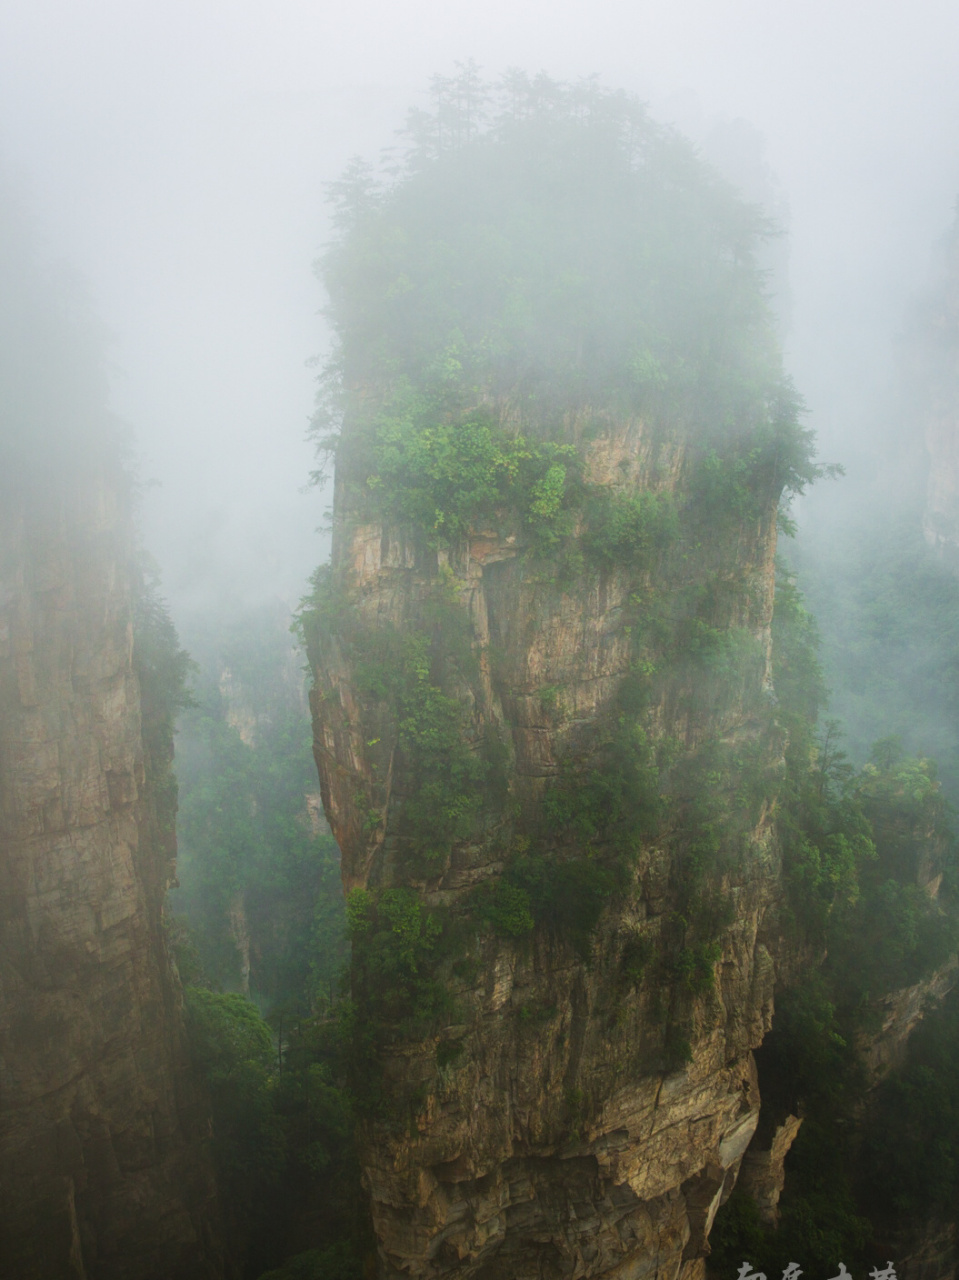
[[103, 1169], [557, 1119]]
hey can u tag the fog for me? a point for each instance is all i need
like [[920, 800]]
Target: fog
[[175, 159], [176, 156]]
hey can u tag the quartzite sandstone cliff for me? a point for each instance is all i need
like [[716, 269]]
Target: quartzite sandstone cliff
[[103, 1169], [562, 1137]]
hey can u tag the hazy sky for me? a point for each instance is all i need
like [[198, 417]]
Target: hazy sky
[[176, 154]]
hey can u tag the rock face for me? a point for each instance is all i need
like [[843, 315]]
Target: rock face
[[559, 1125], [763, 1173], [901, 1012], [103, 1169]]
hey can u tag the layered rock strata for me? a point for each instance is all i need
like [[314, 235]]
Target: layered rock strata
[[554, 1127], [104, 1173]]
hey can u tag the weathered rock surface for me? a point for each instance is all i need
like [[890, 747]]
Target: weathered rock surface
[[564, 1139], [899, 1013], [763, 1172], [104, 1173]]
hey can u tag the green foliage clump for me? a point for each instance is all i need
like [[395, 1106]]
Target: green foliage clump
[[891, 938], [624, 528], [853, 841], [562, 877], [610, 796], [808, 1064], [736, 485], [506, 906], [565, 897], [853, 885], [398, 937], [800, 685], [163, 668], [446, 477], [891, 933], [635, 958], [722, 652], [233, 1050], [695, 966], [613, 795], [717, 796]]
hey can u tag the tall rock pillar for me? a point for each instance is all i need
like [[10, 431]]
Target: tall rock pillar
[[103, 1169]]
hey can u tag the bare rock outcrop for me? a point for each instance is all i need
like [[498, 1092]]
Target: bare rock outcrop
[[898, 1014]]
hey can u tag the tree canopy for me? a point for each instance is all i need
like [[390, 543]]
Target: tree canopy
[[549, 252]]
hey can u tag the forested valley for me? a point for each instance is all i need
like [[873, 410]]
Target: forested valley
[[569, 880]]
